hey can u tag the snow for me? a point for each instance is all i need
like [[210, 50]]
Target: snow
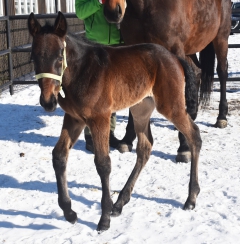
[[29, 212]]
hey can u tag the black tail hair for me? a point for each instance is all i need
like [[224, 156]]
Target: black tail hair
[[207, 61], [191, 91]]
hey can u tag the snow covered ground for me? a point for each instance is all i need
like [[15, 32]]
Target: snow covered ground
[[29, 212]]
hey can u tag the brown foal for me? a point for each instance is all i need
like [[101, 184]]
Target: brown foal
[[99, 80]]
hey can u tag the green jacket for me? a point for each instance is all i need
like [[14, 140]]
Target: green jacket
[[96, 27]]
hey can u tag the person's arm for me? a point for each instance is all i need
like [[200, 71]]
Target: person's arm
[[85, 8]]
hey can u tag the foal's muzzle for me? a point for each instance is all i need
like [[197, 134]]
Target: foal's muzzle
[[49, 105]]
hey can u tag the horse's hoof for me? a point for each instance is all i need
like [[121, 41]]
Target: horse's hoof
[[71, 217], [116, 212], [221, 123], [183, 157], [189, 205], [123, 147]]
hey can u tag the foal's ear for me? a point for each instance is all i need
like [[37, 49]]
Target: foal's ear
[[33, 25], [60, 25]]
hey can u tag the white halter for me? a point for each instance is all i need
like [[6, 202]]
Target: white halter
[[53, 76]]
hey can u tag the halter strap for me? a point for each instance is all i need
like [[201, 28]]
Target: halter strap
[[53, 76]]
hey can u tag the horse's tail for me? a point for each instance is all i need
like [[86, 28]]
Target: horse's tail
[[207, 62], [191, 91]]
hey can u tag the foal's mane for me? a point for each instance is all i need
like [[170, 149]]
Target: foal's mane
[[96, 50]]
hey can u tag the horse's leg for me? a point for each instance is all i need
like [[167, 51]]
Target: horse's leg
[[141, 115], [221, 50], [183, 152], [196, 66], [99, 127], [125, 144], [70, 132]]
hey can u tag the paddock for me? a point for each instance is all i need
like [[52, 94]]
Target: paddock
[[29, 210]]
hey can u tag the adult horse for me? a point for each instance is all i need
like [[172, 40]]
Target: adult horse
[[98, 80], [184, 27]]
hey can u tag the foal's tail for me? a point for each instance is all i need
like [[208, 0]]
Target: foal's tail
[[191, 91], [207, 61]]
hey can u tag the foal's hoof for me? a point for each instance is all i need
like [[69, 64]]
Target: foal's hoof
[[103, 225], [71, 217], [123, 147], [189, 205], [183, 157], [221, 123], [102, 228]]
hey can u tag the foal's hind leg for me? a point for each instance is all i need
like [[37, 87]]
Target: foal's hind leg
[[190, 130], [70, 132], [141, 115]]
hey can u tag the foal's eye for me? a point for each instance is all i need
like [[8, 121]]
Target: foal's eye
[[60, 59]]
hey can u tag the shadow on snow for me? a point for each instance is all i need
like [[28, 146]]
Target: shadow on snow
[[50, 187]]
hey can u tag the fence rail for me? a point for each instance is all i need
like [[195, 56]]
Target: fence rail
[[21, 70]]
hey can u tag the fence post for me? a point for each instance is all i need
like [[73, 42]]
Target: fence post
[[42, 7], [63, 6], [11, 7], [2, 5], [9, 10]]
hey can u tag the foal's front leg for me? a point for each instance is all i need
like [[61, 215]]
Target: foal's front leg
[[100, 133], [70, 132]]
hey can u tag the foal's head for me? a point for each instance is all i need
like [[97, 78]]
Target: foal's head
[[48, 57], [114, 10]]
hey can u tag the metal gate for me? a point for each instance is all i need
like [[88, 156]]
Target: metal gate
[[15, 43]]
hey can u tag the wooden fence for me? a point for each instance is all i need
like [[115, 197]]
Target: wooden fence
[[17, 7], [15, 41]]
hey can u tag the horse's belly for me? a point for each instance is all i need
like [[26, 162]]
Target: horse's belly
[[197, 44]]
